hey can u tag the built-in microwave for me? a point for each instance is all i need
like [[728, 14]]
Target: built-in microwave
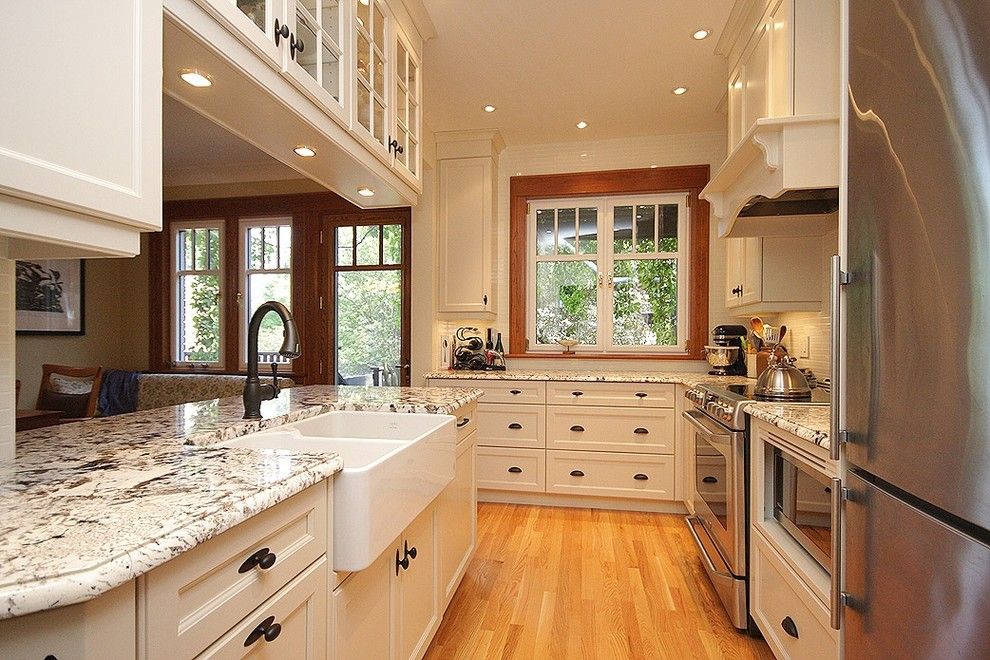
[[801, 501]]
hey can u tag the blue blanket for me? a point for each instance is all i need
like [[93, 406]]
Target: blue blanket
[[118, 392]]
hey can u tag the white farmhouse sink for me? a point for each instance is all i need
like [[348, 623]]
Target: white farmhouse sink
[[395, 464]]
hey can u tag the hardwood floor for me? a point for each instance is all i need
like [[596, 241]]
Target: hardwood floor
[[582, 583]]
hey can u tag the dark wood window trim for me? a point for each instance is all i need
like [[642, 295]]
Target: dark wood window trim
[[690, 179], [311, 270]]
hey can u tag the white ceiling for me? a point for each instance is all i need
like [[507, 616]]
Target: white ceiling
[[546, 64], [195, 149]]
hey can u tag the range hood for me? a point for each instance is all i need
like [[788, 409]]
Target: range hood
[[781, 179]]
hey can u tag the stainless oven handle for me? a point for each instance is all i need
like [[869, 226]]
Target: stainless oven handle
[[835, 595], [835, 315], [704, 553], [699, 422]]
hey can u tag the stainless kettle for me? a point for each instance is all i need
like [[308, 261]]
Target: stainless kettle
[[782, 380]]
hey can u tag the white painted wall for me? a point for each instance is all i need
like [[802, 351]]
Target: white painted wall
[[589, 156], [7, 378]]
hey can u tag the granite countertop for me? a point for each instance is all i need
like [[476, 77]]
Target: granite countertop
[[810, 422], [88, 506], [689, 378]]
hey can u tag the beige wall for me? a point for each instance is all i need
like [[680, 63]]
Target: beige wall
[[589, 156], [116, 326]]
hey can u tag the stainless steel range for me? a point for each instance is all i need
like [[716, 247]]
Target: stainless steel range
[[720, 524]]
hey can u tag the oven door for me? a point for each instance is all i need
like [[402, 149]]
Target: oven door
[[719, 490]]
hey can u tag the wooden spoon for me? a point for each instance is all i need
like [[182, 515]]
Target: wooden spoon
[[756, 323], [783, 331]]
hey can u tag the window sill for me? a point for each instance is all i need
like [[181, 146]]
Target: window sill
[[605, 356]]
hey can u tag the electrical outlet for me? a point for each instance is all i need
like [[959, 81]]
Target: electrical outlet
[[805, 347]]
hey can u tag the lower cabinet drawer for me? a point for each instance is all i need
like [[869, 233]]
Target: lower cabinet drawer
[[467, 420], [503, 468], [505, 425], [292, 624], [790, 616], [595, 428], [610, 474], [201, 594]]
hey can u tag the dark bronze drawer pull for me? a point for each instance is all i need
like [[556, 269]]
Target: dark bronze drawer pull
[[263, 559], [789, 627], [515, 426], [515, 470], [640, 477], [577, 428], [642, 395], [464, 422], [641, 431], [267, 630], [709, 480], [577, 473], [577, 393], [514, 392]]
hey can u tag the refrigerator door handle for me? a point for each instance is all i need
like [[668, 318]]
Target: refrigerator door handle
[[839, 278], [837, 598]]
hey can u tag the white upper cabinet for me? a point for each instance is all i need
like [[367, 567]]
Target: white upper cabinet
[[774, 274], [80, 127], [372, 118], [315, 57], [254, 21], [407, 115]]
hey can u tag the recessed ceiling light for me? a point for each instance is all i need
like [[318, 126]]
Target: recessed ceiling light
[[304, 151], [489, 108], [584, 155], [366, 192], [195, 78], [365, 2], [701, 34], [677, 91], [582, 124], [653, 167]]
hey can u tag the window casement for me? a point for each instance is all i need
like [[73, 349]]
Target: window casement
[[197, 258], [610, 272], [265, 273]]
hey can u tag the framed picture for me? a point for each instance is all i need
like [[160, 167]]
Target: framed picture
[[51, 297]]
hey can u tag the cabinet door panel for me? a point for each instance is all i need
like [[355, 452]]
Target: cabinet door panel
[[465, 227], [418, 615], [361, 607], [752, 271], [456, 524], [83, 129], [757, 69], [253, 21]]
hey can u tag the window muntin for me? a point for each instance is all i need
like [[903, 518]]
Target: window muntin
[[197, 285], [266, 274], [628, 296]]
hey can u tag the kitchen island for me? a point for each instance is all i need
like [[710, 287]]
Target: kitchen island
[[88, 506]]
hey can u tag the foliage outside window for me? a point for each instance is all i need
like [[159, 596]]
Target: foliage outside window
[[266, 275], [609, 272], [198, 251], [369, 303]]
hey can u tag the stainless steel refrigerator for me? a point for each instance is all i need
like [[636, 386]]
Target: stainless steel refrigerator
[[916, 349]]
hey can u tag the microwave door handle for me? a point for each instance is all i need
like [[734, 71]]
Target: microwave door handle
[[711, 436]]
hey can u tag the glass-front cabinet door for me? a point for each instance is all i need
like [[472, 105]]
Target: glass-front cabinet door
[[252, 20], [407, 110], [371, 118], [314, 52]]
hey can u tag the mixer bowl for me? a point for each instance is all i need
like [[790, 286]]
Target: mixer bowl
[[721, 356]]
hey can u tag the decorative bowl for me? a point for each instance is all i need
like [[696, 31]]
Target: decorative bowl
[[721, 356], [568, 344]]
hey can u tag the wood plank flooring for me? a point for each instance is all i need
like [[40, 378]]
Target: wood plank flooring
[[582, 583]]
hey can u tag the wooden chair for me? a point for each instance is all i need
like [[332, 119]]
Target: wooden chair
[[75, 405]]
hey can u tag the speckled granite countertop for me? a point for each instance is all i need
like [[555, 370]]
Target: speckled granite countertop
[[689, 378], [88, 506], [809, 422]]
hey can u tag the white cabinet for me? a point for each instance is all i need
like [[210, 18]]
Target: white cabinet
[[467, 171], [457, 512], [372, 26], [415, 588], [407, 123], [362, 606], [774, 274], [80, 131], [99, 628]]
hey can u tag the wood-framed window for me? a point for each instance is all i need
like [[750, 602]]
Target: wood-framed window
[[617, 260], [197, 278], [265, 274]]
